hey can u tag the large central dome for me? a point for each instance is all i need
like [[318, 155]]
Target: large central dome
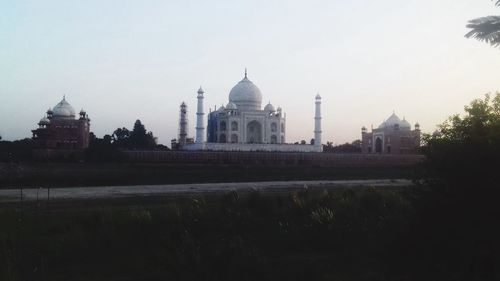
[[64, 109], [246, 95]]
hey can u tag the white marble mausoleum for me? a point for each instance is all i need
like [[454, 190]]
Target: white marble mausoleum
[[242, 125]]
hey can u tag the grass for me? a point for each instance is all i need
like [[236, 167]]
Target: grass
[[310, 235], [348, 234]]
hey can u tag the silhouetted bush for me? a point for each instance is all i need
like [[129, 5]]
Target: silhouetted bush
[[19, 150]]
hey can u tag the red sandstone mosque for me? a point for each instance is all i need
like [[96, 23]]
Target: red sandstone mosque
[[393, 136], [60, 135]]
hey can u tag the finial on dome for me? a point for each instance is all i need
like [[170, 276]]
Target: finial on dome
[[64, 97], [245, 72]]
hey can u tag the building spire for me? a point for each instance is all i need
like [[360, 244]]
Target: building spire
[[200, 128], [317, 125]]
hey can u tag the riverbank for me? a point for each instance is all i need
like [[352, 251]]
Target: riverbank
[[186, 190], [35, 175]]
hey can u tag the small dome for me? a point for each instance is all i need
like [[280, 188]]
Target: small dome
[[44, 121], [318, 97], [63, 109], [436, 134], [200, 91], [269, 107], [231, 106], [246, 95]]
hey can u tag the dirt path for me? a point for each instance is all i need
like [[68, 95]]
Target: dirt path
[[112, 192]]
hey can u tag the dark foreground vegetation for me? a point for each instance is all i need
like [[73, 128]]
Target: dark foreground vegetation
[[310, 235]]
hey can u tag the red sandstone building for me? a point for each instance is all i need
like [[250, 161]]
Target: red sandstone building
[[60, 135], [393, 136]]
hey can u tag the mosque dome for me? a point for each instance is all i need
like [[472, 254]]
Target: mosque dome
[[394, 120], [390, 122], [63, 109], [269, 107], [231, 106], [405, 124], [246, 95]]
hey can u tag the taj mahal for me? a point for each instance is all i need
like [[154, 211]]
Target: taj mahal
[[243, 125]]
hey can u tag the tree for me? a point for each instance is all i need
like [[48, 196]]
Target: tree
[[354, 147], [486, 29], [459, 201], [467, 148], [140, 138], [102, 150], [16, 150], [120, 137]]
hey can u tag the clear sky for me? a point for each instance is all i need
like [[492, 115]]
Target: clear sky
[[128, 60]]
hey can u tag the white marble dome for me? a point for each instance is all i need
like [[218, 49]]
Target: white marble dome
[[231, 106], [246, 95], [269, 107], [63, 109]]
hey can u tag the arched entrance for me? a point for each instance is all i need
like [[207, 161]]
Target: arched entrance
[[274, 139], [254, 132], [234, 138], [222, 138], [378, 145]]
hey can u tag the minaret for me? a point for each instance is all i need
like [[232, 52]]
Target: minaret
[[200, 130], [183, 124], [317, 123]]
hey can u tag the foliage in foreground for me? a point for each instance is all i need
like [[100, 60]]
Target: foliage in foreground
[[310, 235], [318, 235], [461, 204]]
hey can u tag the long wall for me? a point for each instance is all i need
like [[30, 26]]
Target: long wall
[[237, 147], [276, 158]]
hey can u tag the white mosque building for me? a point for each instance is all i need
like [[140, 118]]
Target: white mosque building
[[242, 125]]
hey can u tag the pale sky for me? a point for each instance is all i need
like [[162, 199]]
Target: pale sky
[[128, 60]]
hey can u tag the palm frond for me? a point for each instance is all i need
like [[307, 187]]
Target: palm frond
[[485, 29], [497, 3]]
